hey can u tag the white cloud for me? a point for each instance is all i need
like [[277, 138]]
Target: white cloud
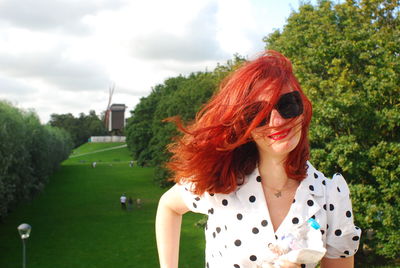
[[62, 15], [60, 56]]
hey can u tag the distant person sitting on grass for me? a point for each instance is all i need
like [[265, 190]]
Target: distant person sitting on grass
[[94, 164], [131, 163], [123, 201], [139, 203], [130, 203]]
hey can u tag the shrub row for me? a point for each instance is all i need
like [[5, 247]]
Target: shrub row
[[29, 153]]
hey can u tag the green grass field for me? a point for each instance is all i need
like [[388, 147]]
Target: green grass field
[[77, 221]]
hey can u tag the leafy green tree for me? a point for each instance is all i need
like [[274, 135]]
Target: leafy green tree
[[346, 57], [29, 154], [147, 132], [80, 128]]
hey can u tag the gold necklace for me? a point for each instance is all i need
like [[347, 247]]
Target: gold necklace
[[278, 192]]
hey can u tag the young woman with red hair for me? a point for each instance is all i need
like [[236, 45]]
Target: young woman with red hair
[[244, 163]]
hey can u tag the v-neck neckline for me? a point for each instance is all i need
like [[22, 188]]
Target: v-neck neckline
[[290, 211], [285, 219]]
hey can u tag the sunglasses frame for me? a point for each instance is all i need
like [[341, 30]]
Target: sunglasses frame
[[291, 100]]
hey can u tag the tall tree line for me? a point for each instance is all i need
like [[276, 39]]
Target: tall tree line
[[346, 57], [29, 153], [147, 134], [80, 128]]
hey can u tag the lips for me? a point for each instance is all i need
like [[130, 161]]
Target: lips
[[280, 135]]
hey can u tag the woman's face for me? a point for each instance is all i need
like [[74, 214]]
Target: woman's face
[[276, 139]]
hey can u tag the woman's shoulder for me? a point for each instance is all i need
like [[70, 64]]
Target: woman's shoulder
[[334, 185]]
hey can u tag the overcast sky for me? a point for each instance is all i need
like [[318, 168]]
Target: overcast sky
[[62, 56]]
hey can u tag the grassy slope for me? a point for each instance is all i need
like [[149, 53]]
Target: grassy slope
[[77, 221]]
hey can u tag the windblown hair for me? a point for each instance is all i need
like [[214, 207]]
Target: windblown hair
[[217, 151]]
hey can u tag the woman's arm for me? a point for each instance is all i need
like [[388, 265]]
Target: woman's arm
[[168, 227], [334, 263]]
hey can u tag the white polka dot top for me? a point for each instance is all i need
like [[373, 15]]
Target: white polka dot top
[[238, 230]]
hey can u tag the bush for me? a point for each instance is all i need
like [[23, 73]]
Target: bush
[[29, 153], [346, 57]]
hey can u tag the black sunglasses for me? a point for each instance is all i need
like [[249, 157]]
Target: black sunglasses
[[288, 106]]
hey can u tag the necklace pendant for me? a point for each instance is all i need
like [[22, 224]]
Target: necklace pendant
[[278, 194]]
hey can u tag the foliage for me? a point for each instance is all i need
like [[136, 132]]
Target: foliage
[[80, 128], [29, 153], [147, 133], [346, 57]]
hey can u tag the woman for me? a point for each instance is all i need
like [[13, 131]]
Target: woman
[[243, 162]]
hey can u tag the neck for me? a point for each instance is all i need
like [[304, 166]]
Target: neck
[[272, 171]]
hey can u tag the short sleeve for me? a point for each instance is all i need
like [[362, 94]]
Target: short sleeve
[[195, 203], [343, 237]]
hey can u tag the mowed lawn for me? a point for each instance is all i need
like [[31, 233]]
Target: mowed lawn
[[78, 222]]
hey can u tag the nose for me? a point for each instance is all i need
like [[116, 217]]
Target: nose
[[276, 119]]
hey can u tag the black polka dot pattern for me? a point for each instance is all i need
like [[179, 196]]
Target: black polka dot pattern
[[240, 217]]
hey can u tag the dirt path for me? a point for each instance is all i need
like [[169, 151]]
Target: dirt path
[[98, 151]]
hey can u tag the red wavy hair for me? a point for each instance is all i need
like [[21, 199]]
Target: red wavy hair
[[216, 151]]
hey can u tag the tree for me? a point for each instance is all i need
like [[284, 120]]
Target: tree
[[147, 132], [346, 57], [81, 128], [29, 154]]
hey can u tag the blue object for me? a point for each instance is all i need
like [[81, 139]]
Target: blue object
[[313, 223]]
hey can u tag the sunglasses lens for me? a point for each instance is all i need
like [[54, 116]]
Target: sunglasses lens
[[290, 105]]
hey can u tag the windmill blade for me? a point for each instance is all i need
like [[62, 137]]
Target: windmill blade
[[111, 93], [107, 113]]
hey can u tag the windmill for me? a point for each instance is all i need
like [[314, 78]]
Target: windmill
[[108, 110], [114, 118]]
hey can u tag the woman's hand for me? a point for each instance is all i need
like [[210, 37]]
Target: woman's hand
[[287, 264]]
